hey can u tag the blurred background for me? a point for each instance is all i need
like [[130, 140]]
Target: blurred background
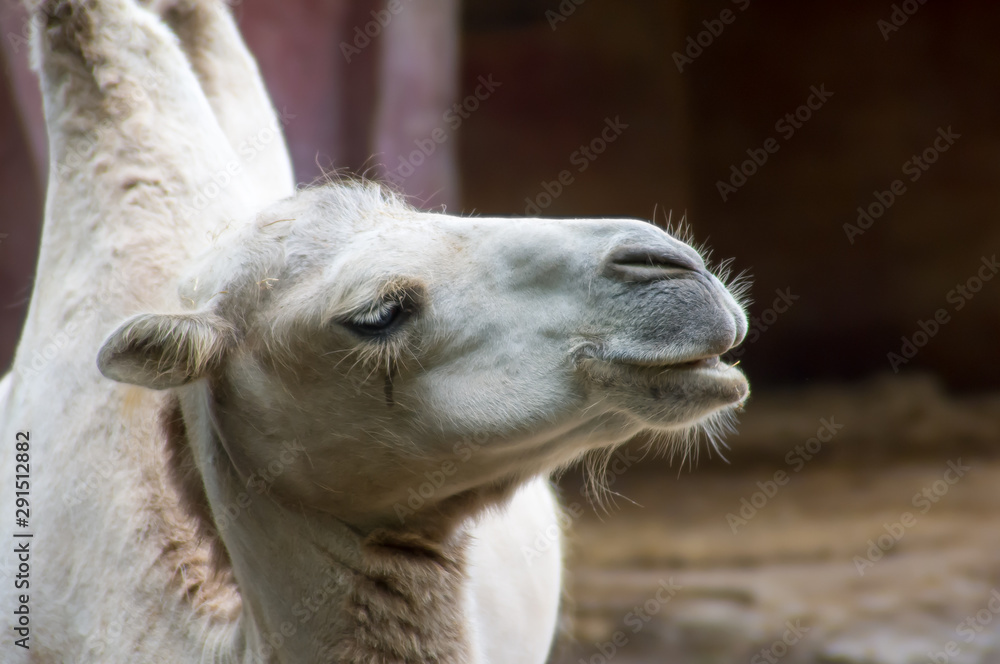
[[844, 154]]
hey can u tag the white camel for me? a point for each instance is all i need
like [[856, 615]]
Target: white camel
[[331, 416]]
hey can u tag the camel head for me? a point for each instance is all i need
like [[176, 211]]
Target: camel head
[[400, 349]]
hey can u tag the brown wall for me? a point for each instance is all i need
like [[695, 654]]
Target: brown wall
[[855, 301]]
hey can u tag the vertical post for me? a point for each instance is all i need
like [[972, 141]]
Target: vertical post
[[417, 85]]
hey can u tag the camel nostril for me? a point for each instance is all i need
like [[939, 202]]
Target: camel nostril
[[639, 263]]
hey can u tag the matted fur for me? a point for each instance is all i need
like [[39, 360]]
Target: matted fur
[[405, 605]]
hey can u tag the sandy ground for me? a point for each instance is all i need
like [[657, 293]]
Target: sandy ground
[[869, 551]]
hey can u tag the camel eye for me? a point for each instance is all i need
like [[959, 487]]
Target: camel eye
[[379, 321]]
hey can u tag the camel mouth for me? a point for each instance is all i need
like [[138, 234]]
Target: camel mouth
[[703, 378], [707, 362], [654, 362]]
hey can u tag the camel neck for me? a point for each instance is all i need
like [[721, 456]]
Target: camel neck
[[317, 589]]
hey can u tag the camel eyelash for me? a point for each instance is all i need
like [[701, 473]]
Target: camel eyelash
[[397, 303], [381, 320]]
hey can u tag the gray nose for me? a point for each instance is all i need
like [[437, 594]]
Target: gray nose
[[638, 263], [741, 327]]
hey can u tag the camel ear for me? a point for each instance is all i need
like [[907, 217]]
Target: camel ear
[[160, 351]]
